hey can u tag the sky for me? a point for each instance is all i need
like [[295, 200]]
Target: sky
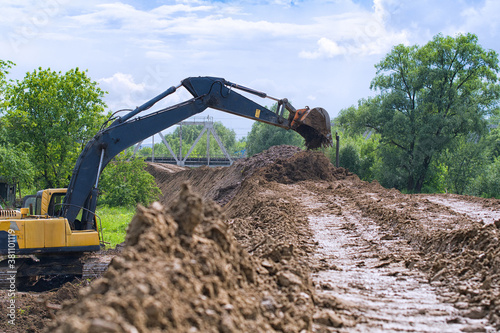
[[319, 53]]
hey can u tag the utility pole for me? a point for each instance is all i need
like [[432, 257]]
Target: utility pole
[[337, 157]]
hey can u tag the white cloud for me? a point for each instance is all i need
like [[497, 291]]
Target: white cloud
[[326, 48], [361, 33], [476, 18], [158, 55], [123, 91], [169, 10], [123, 82]]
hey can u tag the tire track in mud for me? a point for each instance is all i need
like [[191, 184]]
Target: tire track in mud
[[474, 211], [369, 273]]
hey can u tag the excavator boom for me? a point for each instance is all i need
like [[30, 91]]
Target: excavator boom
[[207, 92]]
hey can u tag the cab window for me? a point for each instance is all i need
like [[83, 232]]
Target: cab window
[[55, 205]]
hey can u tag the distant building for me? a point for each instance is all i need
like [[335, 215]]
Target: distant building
[[7, 193]]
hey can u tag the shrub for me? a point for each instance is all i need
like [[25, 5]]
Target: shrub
[[125, 183]]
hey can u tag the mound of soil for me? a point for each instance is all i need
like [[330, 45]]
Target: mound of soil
[[219, 184], [182, 270], [302, 166]]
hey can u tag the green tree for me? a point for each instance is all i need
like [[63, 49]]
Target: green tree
[[492, 140], [358, 153], [487, 184], [240, 147], [124, 182], [15, 166], [428, 96], [263, 136], [53, 114], [4, 71], [461, 163], [486, 180]]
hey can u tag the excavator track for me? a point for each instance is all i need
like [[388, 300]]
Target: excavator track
[[32, 273], [96, 266]]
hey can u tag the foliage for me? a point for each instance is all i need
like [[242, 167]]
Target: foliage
[[126, 183], [492, 141], [357, 153], [240, 147], [428, 97], [487, 184], [263, 136], [462, 162], [4, 71], [15, 166], [54, 114], [115, 221]]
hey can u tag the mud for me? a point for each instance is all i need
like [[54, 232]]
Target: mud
[[283, 241]]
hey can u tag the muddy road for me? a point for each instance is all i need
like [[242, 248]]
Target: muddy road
[[373, 273], [298, 246]]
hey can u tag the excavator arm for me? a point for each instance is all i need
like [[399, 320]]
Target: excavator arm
[[207, 92]]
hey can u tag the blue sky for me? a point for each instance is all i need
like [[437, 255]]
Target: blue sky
[[316, 53]]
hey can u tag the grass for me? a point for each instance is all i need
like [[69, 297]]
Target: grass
[[115, 221]]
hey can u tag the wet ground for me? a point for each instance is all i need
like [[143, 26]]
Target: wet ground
[[366, 274]]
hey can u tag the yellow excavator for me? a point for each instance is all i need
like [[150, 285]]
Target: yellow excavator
[[57, 226]]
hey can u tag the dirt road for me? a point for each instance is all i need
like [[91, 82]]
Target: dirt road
[[368, 269], [298, 246]]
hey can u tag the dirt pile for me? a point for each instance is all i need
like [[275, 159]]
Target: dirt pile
[[305, 165], [249, 266], [219, 184], [182, 270], [468, 260]]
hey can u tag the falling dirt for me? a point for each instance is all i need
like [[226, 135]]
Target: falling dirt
[[298, 246]]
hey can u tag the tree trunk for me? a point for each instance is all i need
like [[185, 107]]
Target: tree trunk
[[410, 184], [421, 178]]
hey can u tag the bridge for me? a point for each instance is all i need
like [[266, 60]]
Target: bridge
[[193, 161], [178, 159]]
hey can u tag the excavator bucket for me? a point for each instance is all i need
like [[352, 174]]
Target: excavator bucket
[[314, 126]]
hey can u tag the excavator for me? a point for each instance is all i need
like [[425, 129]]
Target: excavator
[[56, 228]]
